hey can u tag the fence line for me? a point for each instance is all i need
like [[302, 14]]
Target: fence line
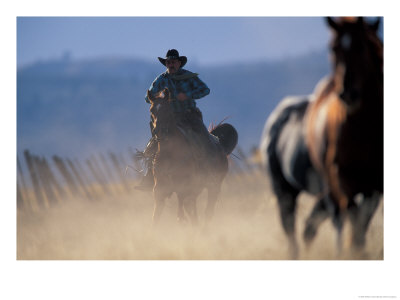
[[21, 187], [103, 175], [81, 181]]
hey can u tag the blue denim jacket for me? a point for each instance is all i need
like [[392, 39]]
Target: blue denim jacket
[[182, 81]]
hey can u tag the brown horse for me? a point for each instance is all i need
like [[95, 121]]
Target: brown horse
[[183, 166], [330, 144], [344, 126]]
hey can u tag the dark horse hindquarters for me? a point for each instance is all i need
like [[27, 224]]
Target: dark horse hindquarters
[[285, 147], [227, 137], [287, 162]]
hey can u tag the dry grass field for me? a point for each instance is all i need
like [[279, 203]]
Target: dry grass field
[[246, 226]]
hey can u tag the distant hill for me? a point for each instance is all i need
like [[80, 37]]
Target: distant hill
[[76, 108]]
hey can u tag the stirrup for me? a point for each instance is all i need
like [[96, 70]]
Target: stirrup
[[147, 182]]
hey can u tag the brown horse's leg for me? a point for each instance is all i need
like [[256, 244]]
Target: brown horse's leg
[[159, 197], [318, 215], [360, 218], [189, 203], [181, 214], [338, 217]]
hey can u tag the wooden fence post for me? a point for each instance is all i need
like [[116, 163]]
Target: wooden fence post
[[80, 180], [106, 167], [98, 170], [97, 176], [49, 175], [119, 171], [85, 178], [22, 190], [110, 178], [48, 191], [34, 179], [66, 175], [20, 197]]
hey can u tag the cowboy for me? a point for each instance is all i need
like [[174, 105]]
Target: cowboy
[[185, 87]]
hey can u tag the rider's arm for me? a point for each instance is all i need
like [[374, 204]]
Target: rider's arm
[[198, 89], [157, 85]]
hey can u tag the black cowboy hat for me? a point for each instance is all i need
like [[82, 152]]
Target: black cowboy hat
[[173, 54]]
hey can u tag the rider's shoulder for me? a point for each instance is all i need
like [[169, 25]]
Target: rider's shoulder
[[184, 71], [162, 76], [183, 74]]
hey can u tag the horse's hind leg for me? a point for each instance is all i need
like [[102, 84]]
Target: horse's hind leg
[[318, 215], [213, 193], [360, 218], [287, 207], [189, 203], [181, 214], [324, 208]]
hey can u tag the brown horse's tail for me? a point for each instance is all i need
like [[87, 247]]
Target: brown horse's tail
[[227, 136]]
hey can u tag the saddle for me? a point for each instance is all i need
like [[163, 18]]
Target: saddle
[[202, 143], [201, 146]]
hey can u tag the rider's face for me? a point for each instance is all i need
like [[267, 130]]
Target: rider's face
[[173, 65]]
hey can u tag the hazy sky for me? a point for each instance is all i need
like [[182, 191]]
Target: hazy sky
[[205, 40]]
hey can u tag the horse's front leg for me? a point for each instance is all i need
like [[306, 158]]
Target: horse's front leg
[[189, 203], [159, 203], [318, 215], [181, 214], [338, 217], [360, 217]]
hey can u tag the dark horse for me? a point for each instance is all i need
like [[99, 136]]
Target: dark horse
[[184, 166], [331, 143]]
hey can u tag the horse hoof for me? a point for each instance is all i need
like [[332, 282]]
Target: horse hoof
[[309, 234]]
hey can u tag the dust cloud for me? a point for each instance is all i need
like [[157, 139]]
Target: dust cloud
[[246, 226]]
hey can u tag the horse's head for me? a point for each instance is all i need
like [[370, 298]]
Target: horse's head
[[358, 59], [161, 112]]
